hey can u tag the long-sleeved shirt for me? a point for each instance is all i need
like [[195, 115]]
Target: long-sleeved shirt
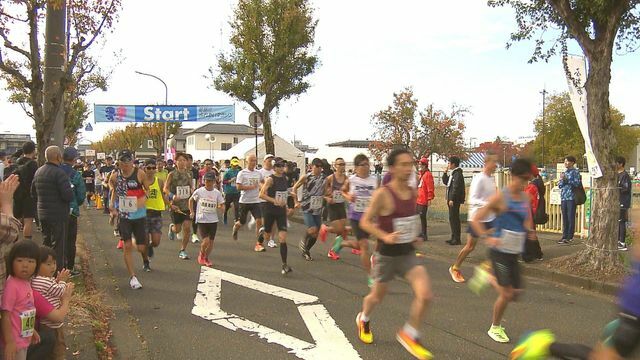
[[51, 290], [426, 189], [571, 181], [52, 188], [624, 185], [79, 189]]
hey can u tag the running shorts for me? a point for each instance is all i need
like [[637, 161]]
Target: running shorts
[[312, 221], [275, 216], [386, 268], [506, 269], [337, 212], [180, 217], [245, 209], [154, 222], [207, 230], [487, 225], [357, 231], [129, 228]]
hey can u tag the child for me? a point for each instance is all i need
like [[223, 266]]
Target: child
[[51, 289], [18, 308], [209, 200]]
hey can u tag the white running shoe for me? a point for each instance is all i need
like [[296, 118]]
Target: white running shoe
[[272, 244], [134, 283], [195, 239]]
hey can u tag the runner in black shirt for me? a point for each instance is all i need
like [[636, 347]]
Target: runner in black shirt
[[89, 178]]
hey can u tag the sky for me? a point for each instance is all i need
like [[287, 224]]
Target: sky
[[449, 52]]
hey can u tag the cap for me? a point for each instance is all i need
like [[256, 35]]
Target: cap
[[70, 153], [125, 155], [268, 156], [424, 160], [210, 176], [149, 162], [235, 162], [279, 162]]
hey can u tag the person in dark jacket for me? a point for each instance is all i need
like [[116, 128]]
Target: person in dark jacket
[[624, 186], [455, 197], [69, 157], [52, 189], [24, 206]]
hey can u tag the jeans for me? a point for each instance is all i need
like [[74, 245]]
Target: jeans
[[454, 222], [54, 233], [622, 224], [70, 247], [422, 212], [568, 218]]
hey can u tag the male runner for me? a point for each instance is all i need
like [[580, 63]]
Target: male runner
[[266, 171], [89, 181], [483, 187], [178, 188], [396, 227], [231, 193], [105, 171], [336, 208], [156, 200], [312, 197], [161, 172], [129, 191], [275, 192], [248, 182]]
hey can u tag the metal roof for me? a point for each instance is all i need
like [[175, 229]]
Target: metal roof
[[475, 160], [213, 128]]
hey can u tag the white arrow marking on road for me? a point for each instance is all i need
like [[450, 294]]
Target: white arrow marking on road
[[330, 341]]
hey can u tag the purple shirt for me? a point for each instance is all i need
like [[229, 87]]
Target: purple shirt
[[630, 294]]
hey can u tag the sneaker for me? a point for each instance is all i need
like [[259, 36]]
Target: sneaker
[[481, 279], [261, 235], [195, 239], [456, 275], [364, 330], [420, 254], [120, 244], [183, 255], [272, 244], [171, 235], [116, 233], [534, 345], [258, 248], [286, 269], [208, 262], [332, 255], [622, 246], [356, 251], [370, 281], [201, 259], [497, 334], [134, 283], [413, 346], [150, 251], [561, 241], [234, 233], [305, 254], [322, 234], [146, 267]]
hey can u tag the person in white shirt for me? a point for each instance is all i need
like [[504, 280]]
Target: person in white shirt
[[266, 171], [248, 182], [209, 200], [483, 187]]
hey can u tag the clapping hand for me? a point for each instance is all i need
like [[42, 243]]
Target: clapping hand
[[7, 188]]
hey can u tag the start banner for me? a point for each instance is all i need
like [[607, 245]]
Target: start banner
[[163, 113]]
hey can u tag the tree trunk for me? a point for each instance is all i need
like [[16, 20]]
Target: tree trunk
[[268, 134]]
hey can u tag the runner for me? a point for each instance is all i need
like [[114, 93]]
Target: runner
[[513, 224], [248, 182], [209, 200], [231, 193], [483, 187], [89, 181], [129, 186], [275, 192], [265, 172], [178, 188], [161, 172], [336, 209], [397, 228], [312, 196], [156, 201], [105, 171]]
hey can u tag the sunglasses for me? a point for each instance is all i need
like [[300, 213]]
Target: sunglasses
[[151, 167]]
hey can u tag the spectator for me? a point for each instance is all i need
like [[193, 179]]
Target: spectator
[[3, 157], [426, 193], [79, 194], [624, 186], [535, 189], [11, 165], [52, 189], [9, 225], [455, 197], [45, 310], [569, 180], [24, 206]]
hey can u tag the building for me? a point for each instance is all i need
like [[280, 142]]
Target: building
[[179, 140], [146, 150], [223, 137], [360, 144], [283, 149], [10, 143], [304, 148]]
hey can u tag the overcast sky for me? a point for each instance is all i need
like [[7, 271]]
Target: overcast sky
[[448, 51]]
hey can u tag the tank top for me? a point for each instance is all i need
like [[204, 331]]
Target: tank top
[[312, 194], [128, 191], [362, 188], [154, 198], [181, 188], [403, 219], [278, 191], [512, 220], [336, 190]]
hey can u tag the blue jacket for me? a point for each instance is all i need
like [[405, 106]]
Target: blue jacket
[[78, 187], [571, 181]]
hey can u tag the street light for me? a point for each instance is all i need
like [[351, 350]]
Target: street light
[[211, 139], [166, 102], [544, 97]]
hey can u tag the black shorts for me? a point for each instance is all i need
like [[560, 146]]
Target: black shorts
[[357, 231], [207, 230], [24, 208], [136, 228], [337, 212], [487, 225], [255, 210], [506, 269], [180, 217], [275, 216], [91, 188]]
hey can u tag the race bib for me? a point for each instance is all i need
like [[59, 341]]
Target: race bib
[[88, 180], [28, 321], [128, 204], [361, 204], [281, 197], [316, 202], [337, 197], [512, 242], [407, 227], [207, 206], [183, 192]]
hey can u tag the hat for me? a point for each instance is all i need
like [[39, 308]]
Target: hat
[[268, 156], [424, 160], [235, 162], [210, 176], [70, 153], [279, 162], [149, 162], [125, 155]]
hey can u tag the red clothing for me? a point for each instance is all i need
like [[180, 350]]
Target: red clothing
[[532, 191], [426, 189]]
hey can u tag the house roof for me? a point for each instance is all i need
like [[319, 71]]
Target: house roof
[[362, 144], [180, 134], [213, 128]]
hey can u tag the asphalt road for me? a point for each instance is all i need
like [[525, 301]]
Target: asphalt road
[[156, 322]]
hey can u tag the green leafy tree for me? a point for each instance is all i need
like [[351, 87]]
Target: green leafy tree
[[271, 58], [597, 27], [155, 132]]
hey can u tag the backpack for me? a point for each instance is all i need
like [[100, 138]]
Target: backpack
[[579, 194], [540, 217]]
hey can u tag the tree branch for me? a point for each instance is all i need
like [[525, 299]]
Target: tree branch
[[563, 7], [9, 45], [2, 13], [14, 72], [97, 32]]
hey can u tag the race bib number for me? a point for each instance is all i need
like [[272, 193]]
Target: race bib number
[[281, 197], [316, 202], [28, 321], [253, 181], [361, 204], [183, 192], [207, 206], [337, 197], [88, 180], [512, 242], [407, 227], [128, 204]]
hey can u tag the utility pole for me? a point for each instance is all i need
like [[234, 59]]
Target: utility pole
[[166, 102], [544, 98], [54, 69]]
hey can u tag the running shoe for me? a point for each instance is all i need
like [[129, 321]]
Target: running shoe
[[150, 251], [183, 255], [364, 330], [272, 244], [333, 255], [120, 244], [286, 269], [622, 246], [208, 262], [370, 281], [496, 332], [337, 244], [259, 248], [413, 346], [146, 267], [481, 279], [134, 283], [116, 233], [234, 233], [305, 253], [420, 254], [195, 239], [261, 235], [322, 234], [456, 275], [533, 346], [356, 251], [201, 259], [171, 235]]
